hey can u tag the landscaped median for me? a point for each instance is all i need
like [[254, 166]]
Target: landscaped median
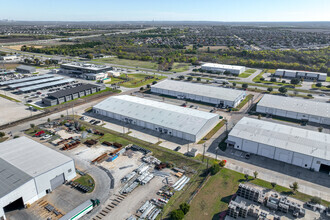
[[9, 98], [213, 131]]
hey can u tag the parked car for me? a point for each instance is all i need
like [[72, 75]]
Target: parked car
[[191, 106], [47, 136], [29, 101], [39, 133], [177, 148], [92, 121], [83, 118]]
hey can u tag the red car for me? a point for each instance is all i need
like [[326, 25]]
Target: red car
[[39, 133]]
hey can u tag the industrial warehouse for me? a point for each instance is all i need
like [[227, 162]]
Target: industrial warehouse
[[300, 109], [28, 171], [215, 67], [300, 147], [221, 97], [185, 123], [59, 97], [300, 74], [25, 69]]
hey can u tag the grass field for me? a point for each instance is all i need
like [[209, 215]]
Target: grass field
[[180, 67], [212, 48], [113, 138], [9, 98], [136, 80], [213, 131], [126, 62], [9, 66], [214, 197], [247, 73], [86, 180], [328, 79]]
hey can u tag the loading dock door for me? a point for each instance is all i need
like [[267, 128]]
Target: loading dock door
[[325, 169], [57, 181]]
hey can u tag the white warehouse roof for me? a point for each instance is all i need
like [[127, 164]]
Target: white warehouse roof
[[222, 66], [171, 116], [296, 105], [31, 157], [301, 71], [200, 90], [311, 143]]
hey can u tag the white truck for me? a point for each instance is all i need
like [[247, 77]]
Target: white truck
[[81, 210]]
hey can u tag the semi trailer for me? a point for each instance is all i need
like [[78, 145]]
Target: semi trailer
[[81, 210]]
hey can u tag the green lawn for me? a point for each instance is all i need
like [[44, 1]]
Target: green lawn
[[328, 79], [250, 71], [137, 80], [86, 180], [321, 88], [247, 73], [214, 197], [213, 131], [9, 98], [126, 62], [180, 67], [113, 138], [240, 105]]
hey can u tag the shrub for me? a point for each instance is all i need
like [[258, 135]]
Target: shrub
[[245, 86], [270, 89], [154, 82], [177, 214], [185, 208], [189, 78], [273, 184], [215, 169], [318, 84], [199, 79], [273, 79], [222, 163], [295, 81], [316, 200], [262, 79], [282, 90], [2, 134]]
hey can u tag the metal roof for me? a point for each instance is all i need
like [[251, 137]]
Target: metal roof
[[85, 66], [171, 116], [200, 90], [11, 178], [301, 71], [30, 156], [26, 89], [303, 106], [25, 79], [222, 66], [311, 143], [70, 91], [24, 67], [29, 83]]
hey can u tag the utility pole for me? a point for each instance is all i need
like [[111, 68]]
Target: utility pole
[[204, 151], [188, 148]]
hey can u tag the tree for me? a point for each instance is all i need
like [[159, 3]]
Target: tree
[[227, 72], [199, 79], [270, 89], [154, 82], [234, 84], [255, 174], [90, 56], [181, 77], [148, 86], [141, 89], [273, 79], [177, 214], [62, 116], [189, 78], [246, 176], [185, 208], [259, 116], [316, 200], [48, 119], [295, 81], [273, 184], [320, 129], [245, 86], [318, 84], [32, 126], [222, 163], [215, 169], [294, 186], [262, 79], [282, 90], [2, 134]]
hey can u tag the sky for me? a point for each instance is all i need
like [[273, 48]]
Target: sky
[[165, 10]]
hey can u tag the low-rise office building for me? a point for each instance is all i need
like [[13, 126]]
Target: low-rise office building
[[300, 109], [300, 74], [219, 96], [84, 68], [9, 58], [61, 96], [25, 69], [173, 120], [28, 171], [292, 145], [221, 68]]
